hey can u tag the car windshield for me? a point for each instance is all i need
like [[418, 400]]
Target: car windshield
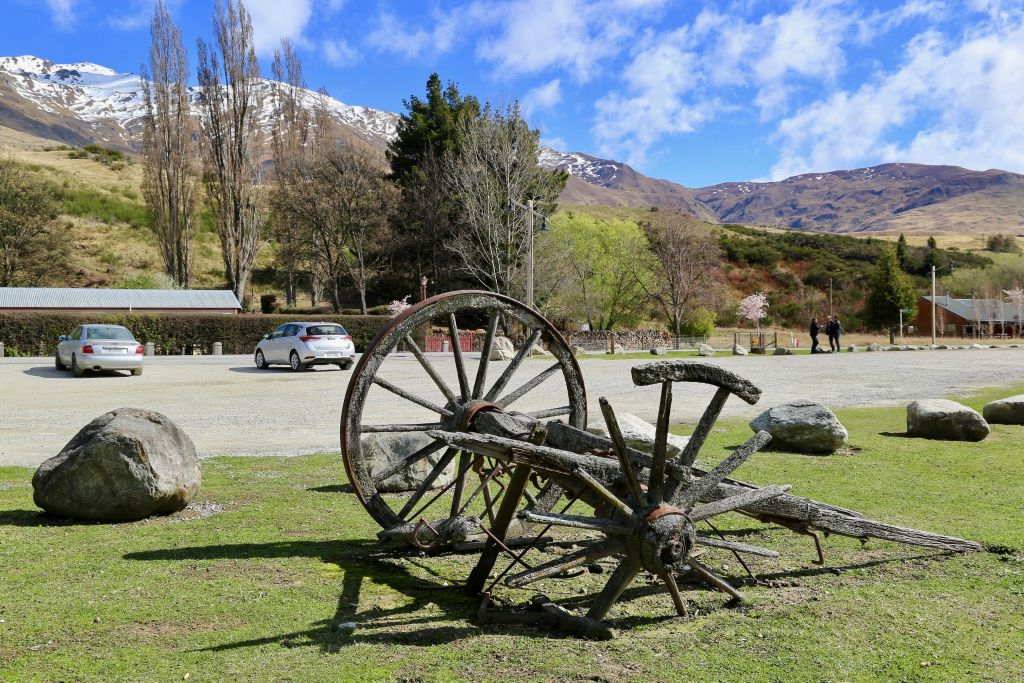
[[323, 330], [109, 333]]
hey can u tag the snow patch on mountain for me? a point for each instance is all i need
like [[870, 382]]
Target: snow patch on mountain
[[585, 167]]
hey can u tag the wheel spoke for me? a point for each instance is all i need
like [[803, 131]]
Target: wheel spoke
[[427, 482], [673, 589], [511, 398], [406, 462], [485, 354], [620, 579], [550, 412], [429, 367], [506, 376], [610, 497], [619, 446], [713, 578], [655, 484], [751, 497], [440, 492], [465, 460], [735, 546], [575, 522], [398, 391], [460, 364], [371, 429], [584, 556], [707, 421], [702, 486]]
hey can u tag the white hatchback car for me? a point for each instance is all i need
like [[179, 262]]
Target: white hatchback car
[[302, 345]]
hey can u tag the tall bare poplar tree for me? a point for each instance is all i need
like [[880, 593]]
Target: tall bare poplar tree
[[228, 75], [290, 134], [170, 182], [685, 264], [496, 162]]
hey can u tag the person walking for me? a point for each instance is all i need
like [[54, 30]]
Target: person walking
[[830, 329], [815, 328], [837, 329]]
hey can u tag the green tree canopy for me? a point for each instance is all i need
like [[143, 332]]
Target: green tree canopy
[[890, 291], [430, 126], [595, 270]]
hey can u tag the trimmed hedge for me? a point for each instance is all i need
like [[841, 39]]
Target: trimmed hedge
[[35, 334]]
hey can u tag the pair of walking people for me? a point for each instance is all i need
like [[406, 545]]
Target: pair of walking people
[[833, 328]]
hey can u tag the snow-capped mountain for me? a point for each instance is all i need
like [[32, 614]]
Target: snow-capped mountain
[[85, 102], [111, 105]]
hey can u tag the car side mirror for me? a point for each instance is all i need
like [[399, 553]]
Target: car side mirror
[[266, 336], [62, 338]]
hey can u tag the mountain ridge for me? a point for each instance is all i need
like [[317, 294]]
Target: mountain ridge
[[86, 102]]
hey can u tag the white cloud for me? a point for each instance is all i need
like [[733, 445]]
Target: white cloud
[[680, 79], [393, 36], [542, 97], [273, 20], [964, 97], [339, 52], [62, 12], [530, 36], [555, 143]]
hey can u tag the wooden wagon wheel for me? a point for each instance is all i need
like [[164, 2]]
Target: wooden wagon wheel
[[449, 515]]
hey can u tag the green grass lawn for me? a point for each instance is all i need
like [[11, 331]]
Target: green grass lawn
[[254, 592]]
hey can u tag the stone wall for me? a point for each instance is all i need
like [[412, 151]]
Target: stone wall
[[630, 340]]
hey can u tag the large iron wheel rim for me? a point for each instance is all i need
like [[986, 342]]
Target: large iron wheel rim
[[398, 331]]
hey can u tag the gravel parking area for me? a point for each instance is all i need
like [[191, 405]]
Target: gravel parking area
[[229, 407]]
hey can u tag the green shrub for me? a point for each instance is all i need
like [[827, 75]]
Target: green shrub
[[36, 333], [103, 207], [699, 322]]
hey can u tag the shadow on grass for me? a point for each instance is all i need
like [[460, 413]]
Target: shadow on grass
[[333, 488], [361, 560], [898, 435], [30, 518]]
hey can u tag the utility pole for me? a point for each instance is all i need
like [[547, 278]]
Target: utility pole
[[830, 311], [529, 253], [933, 305]]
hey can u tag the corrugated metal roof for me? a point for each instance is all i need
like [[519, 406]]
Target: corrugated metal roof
[[126, 299], [986, 310]]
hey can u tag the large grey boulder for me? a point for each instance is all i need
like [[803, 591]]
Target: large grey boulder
[[1007, 411], [705, 350], [874, 346], [739, 350], [639, 434], [125, 465], [802, 427], [658, 351], [383, 449], [852, 348], [943, 419], [782, 351]]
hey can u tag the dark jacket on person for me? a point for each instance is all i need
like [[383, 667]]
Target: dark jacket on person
[[830, 328], [837, 328], [815, 328]]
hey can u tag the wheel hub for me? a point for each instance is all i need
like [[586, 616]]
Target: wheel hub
[[666, 538]]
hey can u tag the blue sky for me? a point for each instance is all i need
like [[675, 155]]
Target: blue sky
[[696, 92]]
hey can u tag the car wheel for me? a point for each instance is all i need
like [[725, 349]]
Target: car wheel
[[345, 365], [76, 369], [261, 362], [294, 362], [58, 364], [136, 372]]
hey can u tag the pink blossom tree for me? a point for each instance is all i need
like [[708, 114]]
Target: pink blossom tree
[[399, 306], [754, 307]]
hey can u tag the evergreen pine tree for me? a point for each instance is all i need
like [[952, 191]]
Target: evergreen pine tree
[[932, 244], [890, 291], [901, 251]]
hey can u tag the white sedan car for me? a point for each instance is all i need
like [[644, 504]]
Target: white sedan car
[[99, 347], [303, 345]]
